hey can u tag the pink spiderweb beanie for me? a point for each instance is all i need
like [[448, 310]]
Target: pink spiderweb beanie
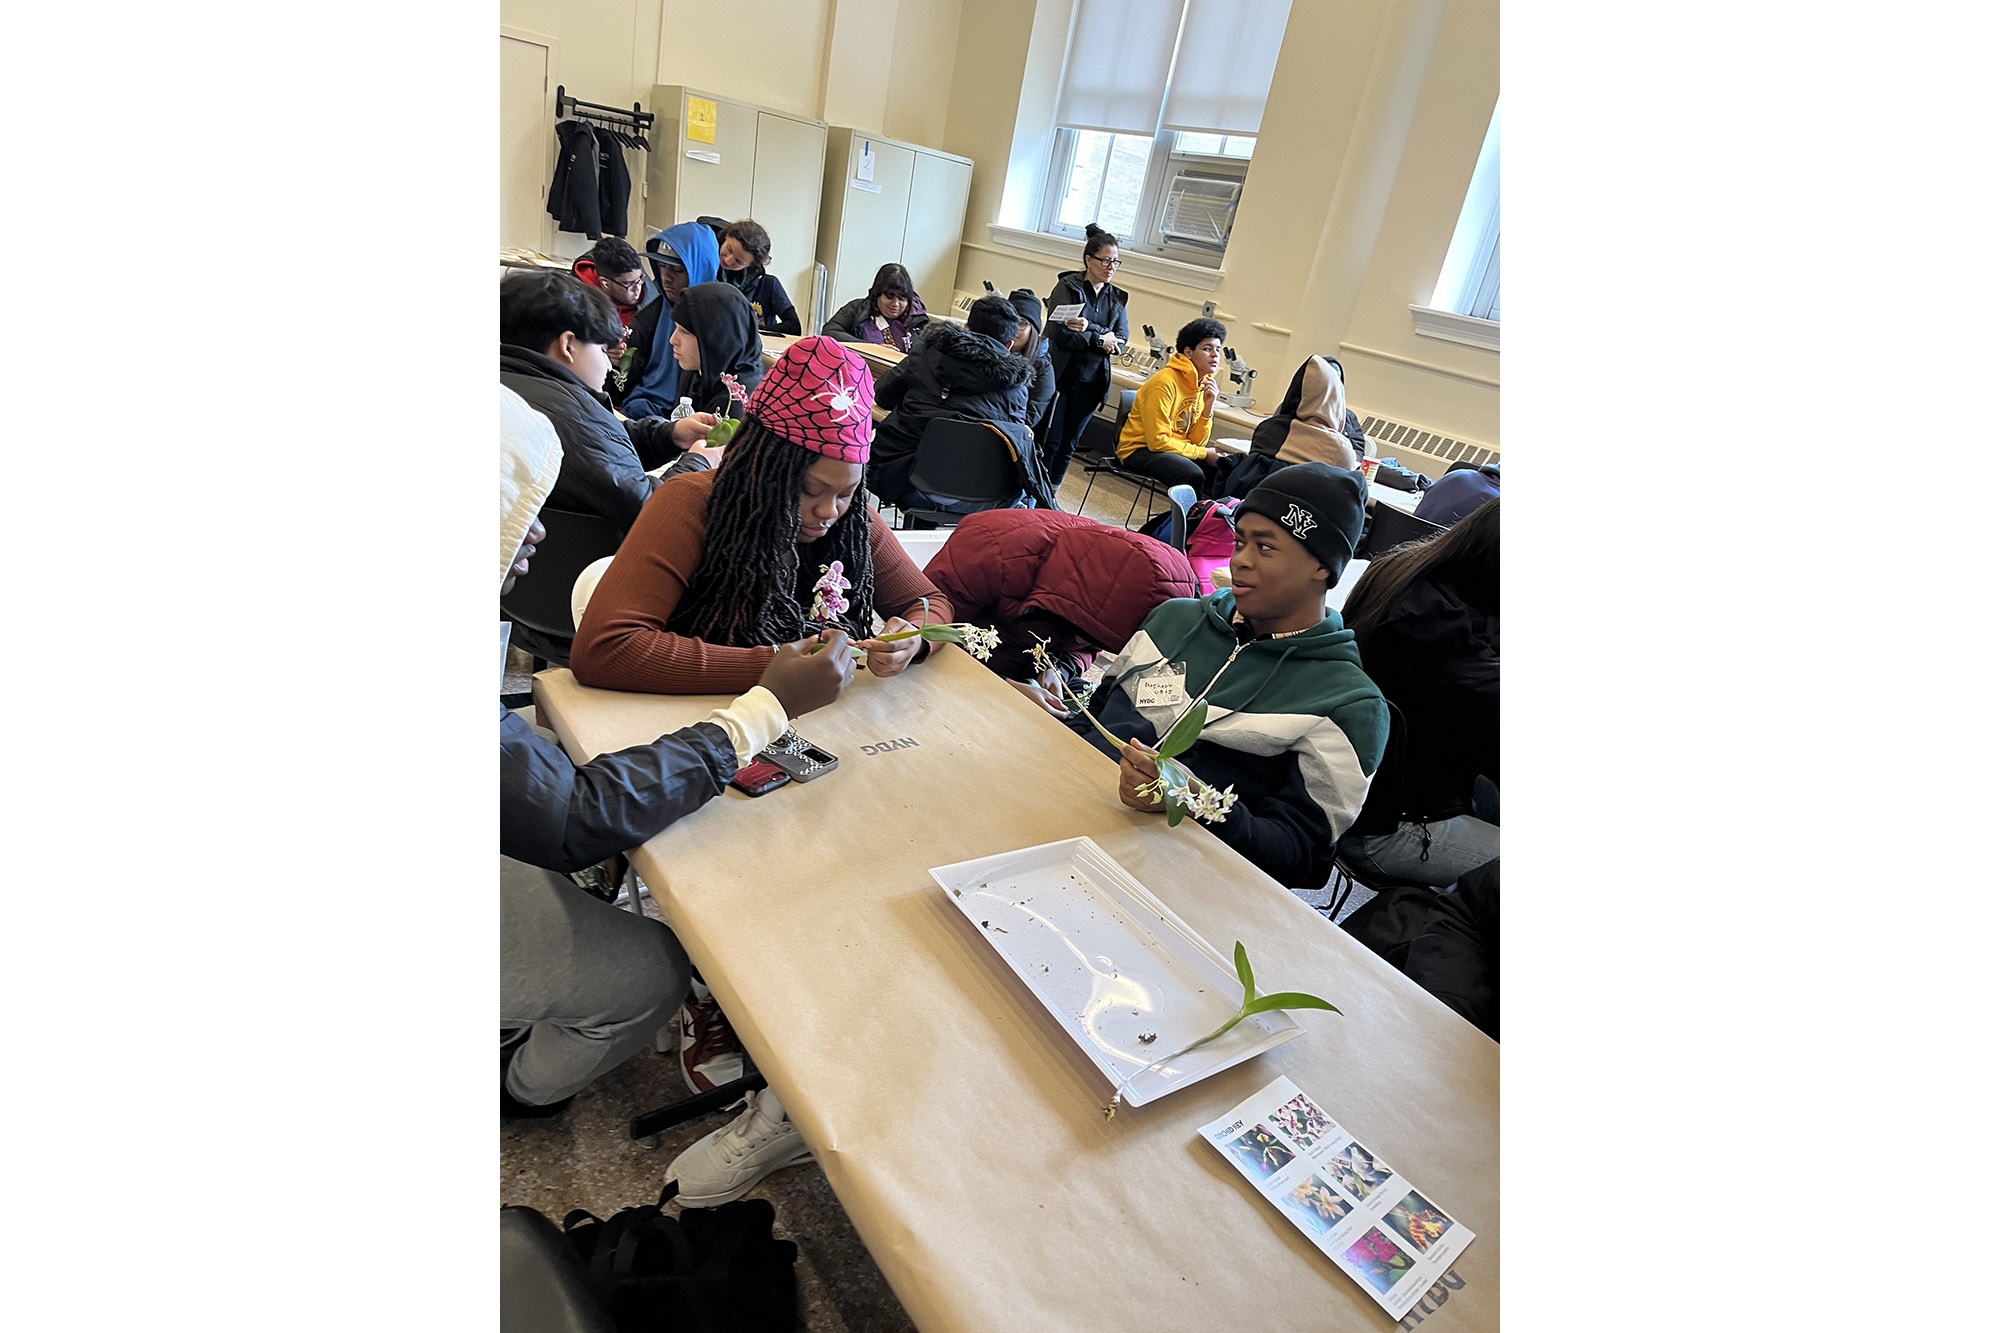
[[820, 396]]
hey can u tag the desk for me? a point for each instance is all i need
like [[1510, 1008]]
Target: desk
[[878, 357], [962, 1131]]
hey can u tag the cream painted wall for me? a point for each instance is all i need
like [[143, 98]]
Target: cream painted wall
[[920, 66], [1402, 213], [780, 66], [857, 86], [604, 53]]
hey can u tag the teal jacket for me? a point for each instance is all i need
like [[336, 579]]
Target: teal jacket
[[1294, 725]]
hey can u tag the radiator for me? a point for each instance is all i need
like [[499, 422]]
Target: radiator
[[1422, 450]]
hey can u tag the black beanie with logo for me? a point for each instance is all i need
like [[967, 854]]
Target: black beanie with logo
[[1317, 503]]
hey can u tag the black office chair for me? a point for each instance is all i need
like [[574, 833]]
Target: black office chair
[[1388, 528], [540, 601], [971, 462], [1103, 457]]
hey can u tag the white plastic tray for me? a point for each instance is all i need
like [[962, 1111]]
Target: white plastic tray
[[1110, 963]]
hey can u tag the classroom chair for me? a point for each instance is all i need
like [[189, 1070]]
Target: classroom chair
[[540, 601], [972, 463], [1104, 458], [1388, 528]]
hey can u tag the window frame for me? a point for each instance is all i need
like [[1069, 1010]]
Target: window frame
[[1163, 162]]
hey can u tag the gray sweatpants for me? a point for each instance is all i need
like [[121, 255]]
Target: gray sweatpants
[[589, 983]]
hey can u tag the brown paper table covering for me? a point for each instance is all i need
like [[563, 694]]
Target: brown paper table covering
[[961, 1128]]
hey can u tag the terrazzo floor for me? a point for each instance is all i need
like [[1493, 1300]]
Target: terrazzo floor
[[584, 1159]]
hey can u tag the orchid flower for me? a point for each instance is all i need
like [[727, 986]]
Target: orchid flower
[[724, 430], [829, 594], [1177, 787], [1253, 1003]]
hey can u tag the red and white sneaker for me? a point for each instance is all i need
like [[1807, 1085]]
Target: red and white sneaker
[[710, 1054]]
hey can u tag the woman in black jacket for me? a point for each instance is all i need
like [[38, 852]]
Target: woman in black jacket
[[1081, 347], [1426, 619], [890, 315]]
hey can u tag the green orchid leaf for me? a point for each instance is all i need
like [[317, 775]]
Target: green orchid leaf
[[1176, 812], [1185, 732], [1286, 999], [720, 433], [942, 634], [1244, 974]]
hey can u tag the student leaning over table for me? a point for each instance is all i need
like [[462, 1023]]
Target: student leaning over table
[[1294, 724], [721, 565], [584, 984], [684, 255], [746, 252]]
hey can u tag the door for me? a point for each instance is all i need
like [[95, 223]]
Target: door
[[938, 189], [527, 140], [784, 197], [719, 188]]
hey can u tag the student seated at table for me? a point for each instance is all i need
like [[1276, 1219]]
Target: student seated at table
[[584, 984], [715, 334], [1082, 586], [555, 339], [746, 253], [1166, 433], [684, 255], [889, 315], [1426, 618], [1030, 343], [1313, 424], [1294, 724], [612, 266], [723, 565], [964, 374]]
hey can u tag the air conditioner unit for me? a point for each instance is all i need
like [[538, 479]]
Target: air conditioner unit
[[1199, 210]]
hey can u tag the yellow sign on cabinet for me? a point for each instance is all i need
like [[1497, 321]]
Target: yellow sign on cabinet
[[701, 120]]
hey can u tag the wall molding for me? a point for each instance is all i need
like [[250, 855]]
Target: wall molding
[[1456, 328], [1415, 364]]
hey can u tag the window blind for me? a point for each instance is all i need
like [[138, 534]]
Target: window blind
[[1229, 49], [1120, 53]]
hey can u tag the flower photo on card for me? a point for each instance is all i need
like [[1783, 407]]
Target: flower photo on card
[[1356, 1171], [1376, 1258], [1260, 1150], [1303, 1122], [1416, 1221], [1318, 1204]]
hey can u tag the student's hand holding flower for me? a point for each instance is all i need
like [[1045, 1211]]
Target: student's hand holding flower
[[692, 430], [888, 659], [1135, 770], [1046, 691], [803, 683]]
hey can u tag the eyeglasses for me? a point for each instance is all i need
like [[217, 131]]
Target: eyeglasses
[[1100, 259], [634, 285]]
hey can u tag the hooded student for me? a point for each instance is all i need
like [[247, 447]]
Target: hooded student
[[715, 334], [684, 255], [1312, 425], [1293, 723]]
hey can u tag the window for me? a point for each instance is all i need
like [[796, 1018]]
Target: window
[[1152, 147], [1469, 283]]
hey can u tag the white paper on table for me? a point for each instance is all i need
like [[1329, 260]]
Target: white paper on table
[[1377, 1227], [1065, 312]]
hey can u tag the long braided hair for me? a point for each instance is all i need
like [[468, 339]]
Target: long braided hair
[[745, 589]]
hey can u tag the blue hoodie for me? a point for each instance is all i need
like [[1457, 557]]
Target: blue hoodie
[[656, 388]]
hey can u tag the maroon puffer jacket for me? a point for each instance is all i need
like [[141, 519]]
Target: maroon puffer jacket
[[1079, 583]]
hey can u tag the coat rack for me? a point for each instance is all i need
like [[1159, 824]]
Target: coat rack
[[615, 119]]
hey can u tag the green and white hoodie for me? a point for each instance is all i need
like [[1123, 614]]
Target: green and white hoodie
[[1294, 724]]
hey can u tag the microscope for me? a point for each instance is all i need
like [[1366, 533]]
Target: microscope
[[1155, 358], [1239, 373]]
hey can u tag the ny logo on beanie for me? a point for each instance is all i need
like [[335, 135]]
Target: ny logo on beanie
[[1299, 521]]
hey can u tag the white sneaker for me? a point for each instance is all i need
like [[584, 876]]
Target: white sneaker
[[723, 1166]]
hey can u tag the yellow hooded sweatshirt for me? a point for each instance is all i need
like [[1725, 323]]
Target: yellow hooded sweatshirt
[[1166, 414]]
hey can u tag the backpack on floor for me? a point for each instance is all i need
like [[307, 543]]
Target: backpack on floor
[[1211, 536], [708, 1269]]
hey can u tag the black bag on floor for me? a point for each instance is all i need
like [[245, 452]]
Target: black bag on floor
[[714, 1269]]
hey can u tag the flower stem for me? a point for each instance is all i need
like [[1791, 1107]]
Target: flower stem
[[1120, 1091]]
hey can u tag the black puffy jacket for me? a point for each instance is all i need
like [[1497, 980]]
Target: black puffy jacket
[[950, 372], [604, 460]]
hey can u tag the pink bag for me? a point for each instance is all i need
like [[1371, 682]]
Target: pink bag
[[1211, 539]]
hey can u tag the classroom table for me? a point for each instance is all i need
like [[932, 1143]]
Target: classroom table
[[963, 1132]]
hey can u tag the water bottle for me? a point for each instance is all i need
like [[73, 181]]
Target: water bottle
[[684, 408]]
